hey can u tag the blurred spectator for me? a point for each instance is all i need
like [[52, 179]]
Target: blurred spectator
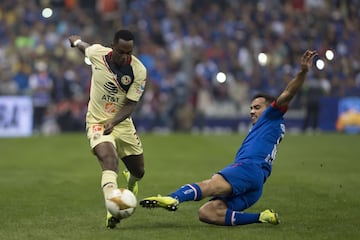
[[22, 70], [7, 85], [314, 89], [199, 37], [41, 86], [70, 115]]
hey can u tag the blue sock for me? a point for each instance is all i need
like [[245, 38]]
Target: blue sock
[[240, 218], [188, 192]]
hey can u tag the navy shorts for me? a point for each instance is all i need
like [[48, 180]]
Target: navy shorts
[[247, 180]]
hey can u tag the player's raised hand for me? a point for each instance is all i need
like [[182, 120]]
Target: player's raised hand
[[307, 60], [73, 39]]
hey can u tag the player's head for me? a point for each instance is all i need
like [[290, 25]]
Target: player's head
[[123, 44], [123, 34], [259, 103]]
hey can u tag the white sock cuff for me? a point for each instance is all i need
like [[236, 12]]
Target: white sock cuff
[[108, 176]]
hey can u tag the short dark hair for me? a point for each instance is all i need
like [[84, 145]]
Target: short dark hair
[[123, 34], [268, 98]]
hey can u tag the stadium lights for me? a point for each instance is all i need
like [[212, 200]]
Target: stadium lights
[[329, 54], [47, 12], [320, 64], [262, 59], [221, 77]]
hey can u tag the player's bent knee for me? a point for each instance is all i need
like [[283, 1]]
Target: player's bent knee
[[137, 172], [211, 217], [204, 215], [140, 174], [213, 212], [208, 214]]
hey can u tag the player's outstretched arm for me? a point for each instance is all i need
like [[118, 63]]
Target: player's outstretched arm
[[75, 41], [295, 84]]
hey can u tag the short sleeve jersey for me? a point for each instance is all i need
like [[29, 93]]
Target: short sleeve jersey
[[260, 145], [111, 85]]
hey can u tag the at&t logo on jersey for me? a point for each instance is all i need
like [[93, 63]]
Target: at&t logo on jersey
[[111, 89]]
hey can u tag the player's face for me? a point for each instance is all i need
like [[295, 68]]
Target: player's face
[[257, 107], [122, 51]]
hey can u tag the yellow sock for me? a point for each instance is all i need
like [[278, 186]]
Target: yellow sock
[[108, 182]]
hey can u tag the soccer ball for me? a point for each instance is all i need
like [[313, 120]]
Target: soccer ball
[[121, 203]]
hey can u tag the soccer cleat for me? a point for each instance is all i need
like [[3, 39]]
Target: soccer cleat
[[135, 187], [169, 203], [269, 216], [111, 221]]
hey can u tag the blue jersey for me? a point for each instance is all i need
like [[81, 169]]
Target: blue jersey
[[260, 145]]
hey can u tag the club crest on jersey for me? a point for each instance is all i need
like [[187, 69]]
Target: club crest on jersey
[[126, 80]]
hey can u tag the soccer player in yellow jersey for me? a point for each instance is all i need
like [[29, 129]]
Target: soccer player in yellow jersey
[[117, 84]]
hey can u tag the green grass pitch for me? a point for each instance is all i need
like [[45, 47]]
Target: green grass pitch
[[50, 188]]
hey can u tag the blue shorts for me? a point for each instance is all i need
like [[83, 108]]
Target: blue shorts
[[247, 180]]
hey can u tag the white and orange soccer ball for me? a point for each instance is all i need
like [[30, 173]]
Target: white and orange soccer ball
[[121, 203]]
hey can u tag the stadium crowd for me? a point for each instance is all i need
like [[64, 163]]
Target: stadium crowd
[[183, 44]]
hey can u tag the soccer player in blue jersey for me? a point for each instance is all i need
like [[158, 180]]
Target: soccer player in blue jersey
[[240, 184]]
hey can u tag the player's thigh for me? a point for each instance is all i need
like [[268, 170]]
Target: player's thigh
[[103, 146], [127, 141], [247, 185], [95, 136], [243, 201], [243, 177], [215, 186]]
